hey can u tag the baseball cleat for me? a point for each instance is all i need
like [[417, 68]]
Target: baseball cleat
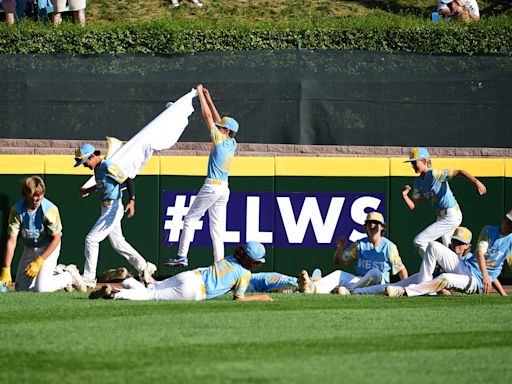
[[114, 274], [89, 283], [305, 283], [76, 279], [392, 291], [147, 273], [343, 291], [105, 292], [316, 275], [178, 261]]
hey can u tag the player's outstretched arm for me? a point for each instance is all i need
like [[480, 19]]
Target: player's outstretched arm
[[205, 108], [254, 298], [215, 113], [480, 187], [486, 281]]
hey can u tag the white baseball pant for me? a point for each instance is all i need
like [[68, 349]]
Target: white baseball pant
[[214, 198], [445, 257], [45, 281], [461, 282], [442, 228], [187, 285], [348, 280], [109, 224], [380, 289]]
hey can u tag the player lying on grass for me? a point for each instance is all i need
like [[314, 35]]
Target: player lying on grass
[[272, 282], [376, 256], [472, 273], [36, 221], [229, 274], [432, 184]]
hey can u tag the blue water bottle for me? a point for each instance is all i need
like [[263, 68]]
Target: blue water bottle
[[435, 17], [3, 288]]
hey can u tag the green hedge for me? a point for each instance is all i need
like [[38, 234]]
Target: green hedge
[[492, 35]]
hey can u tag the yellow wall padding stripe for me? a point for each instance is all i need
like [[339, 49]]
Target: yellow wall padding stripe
[[332, 166], [478, 167], [263, 166], [21, 164]]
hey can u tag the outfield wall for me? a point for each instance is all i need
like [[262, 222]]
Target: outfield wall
[[297, 206]]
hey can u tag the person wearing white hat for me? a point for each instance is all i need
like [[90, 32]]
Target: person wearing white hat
[[432, 184], [230, 274], [466, 10], [376, 257]]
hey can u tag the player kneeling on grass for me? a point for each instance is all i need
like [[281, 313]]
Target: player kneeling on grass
[[472, 273], [376, 257], [230, 274], [37, 221]]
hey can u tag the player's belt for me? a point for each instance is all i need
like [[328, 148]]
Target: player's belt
[[216, 182], [445, 212], [108, 203]]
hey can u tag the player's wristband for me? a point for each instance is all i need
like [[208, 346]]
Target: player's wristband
[[132, 198]]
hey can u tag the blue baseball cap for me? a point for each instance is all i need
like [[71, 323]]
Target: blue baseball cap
[[229, 123], [417, 153], [255, 251], [83, 153]]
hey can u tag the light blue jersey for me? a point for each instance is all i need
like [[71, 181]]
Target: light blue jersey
[[108, 179], [225, 275], [221, 155], [496, 248], [271, 281], [384, 257], [37, 227], [434, 187]]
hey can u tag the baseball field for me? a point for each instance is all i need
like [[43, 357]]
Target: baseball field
[[66, 338]]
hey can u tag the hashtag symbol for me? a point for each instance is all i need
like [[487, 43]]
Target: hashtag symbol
[[178, 212]]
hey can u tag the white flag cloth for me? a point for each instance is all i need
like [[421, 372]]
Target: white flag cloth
[[161, 133]]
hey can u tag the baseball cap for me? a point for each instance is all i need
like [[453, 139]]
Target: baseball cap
[[417, 153], [375, 216], [83, 153], [463, 235], [229, 123], [255, 251], [509, 215]]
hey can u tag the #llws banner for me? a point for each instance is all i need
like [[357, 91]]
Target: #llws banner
[[286, 220]]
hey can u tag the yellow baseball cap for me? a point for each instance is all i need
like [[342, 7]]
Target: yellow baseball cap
[[509, 215], [417, 153], [375, 216], [462, 234]]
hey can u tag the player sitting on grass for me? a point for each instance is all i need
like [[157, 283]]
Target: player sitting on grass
[[376, 257], [37, 221], [472, 273], [230, 274]]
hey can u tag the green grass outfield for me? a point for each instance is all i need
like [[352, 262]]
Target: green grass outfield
[[66, 338]]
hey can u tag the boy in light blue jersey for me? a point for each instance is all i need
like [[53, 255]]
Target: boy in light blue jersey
[[37, 221], [214, 194], [109, 177], [272, 282], [376, 256], [468, 273], [432, 184], [230, 274]]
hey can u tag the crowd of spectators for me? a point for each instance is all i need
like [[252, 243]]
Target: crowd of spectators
[[52, 8]]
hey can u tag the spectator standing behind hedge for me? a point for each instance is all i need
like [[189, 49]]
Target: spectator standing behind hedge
[[77, 6], [9, 7], [197, 3], [466, 10]]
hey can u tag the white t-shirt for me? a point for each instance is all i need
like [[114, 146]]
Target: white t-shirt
[[472, 5]]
